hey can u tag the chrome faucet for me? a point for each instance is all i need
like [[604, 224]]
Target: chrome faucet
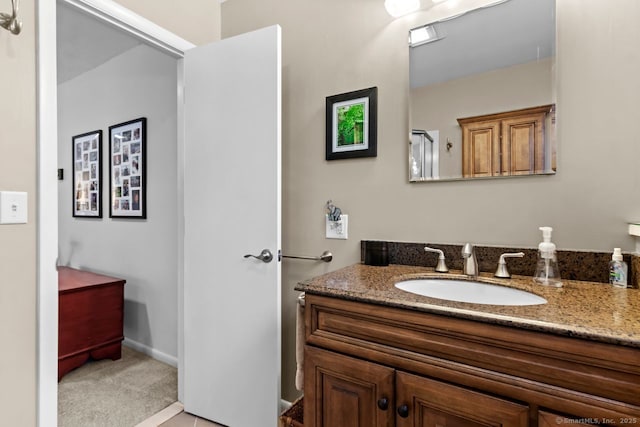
[[441, 267], [469, 260], [502, 264]]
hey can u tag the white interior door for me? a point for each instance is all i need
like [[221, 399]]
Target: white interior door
[[232, 208]]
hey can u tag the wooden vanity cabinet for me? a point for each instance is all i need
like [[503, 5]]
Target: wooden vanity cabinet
[[369, 365], [509, 143]]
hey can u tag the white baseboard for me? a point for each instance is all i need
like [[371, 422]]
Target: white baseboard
[[152, 352]]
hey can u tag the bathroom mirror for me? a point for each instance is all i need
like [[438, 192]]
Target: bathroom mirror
[[482, 95]]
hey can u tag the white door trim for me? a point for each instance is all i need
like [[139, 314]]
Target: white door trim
[[46, 217], [47, 186], [121, 17]]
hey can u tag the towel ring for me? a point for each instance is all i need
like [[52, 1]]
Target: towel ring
[[10, 22]]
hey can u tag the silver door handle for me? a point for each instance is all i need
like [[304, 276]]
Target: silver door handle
[[265, 256]]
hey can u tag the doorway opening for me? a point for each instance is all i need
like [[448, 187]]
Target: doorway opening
[[109, 73], [230, 81]]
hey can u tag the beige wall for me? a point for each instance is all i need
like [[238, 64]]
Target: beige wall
[[335, 46], [18, 242], [197, 21]]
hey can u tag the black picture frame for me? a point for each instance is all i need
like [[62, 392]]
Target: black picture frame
[[86, 164], [128, 169], [351, 124]]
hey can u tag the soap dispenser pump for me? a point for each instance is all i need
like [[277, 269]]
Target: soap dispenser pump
[[547, 271]]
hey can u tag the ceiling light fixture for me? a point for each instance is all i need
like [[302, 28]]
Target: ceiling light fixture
[[422, 35], [397, 8]]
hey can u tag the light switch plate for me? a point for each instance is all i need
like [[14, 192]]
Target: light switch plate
[[337, 229], [13, 207]]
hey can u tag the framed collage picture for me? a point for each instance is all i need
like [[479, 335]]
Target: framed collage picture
[[87, 174], [127, 175]]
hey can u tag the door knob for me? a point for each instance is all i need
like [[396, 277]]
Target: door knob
[[403, 411], [265, 256], [383, 403]]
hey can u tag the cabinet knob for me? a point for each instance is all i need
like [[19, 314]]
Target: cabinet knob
[[383, 403], [403, 411]]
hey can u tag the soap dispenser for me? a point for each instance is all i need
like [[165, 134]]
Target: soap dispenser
[[547, 271]]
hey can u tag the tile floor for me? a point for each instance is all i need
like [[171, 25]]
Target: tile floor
[[174, 416], [187, 420]]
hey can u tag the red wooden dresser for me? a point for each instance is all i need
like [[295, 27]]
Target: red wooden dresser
[[90, 318]]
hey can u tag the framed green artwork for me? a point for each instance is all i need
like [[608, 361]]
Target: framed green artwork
[[351, 124]]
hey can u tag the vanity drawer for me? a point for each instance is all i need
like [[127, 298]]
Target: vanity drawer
[[497, 357]]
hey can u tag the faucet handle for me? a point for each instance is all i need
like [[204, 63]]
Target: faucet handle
[[441, 267], [502, 264]]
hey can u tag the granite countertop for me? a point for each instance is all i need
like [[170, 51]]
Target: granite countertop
[[588, 310]]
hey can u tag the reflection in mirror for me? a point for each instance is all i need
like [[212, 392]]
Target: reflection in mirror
[[483, 93]]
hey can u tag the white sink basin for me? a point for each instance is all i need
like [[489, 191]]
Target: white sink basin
[[469, 291]]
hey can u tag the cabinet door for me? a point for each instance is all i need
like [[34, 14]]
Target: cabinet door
[[523, 150], [480, 149], [341, 391], [422, 402]]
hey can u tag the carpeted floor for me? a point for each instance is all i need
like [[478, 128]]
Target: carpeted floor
[[120, 393]]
